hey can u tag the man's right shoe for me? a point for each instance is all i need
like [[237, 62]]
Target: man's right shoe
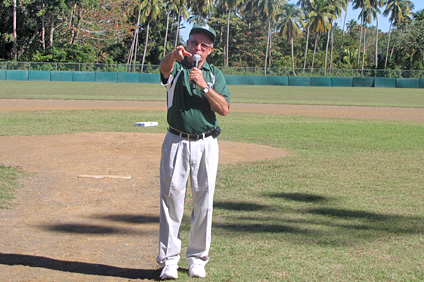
[[169, 272]]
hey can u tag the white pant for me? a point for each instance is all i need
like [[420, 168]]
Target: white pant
[[181, 158]]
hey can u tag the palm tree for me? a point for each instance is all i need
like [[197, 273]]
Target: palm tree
[[398, 10], [363, 5], [132, 55], [366, 19], [200, 9], [151, 10], [290, 25], [343, 32], [170, 8], [231, 5], [336, 9], [268, 9], [182, 11], [375, 5], [419, 15], [304, 5], [320, 15]]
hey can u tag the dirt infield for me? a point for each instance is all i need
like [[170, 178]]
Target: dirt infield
[[63, 227]]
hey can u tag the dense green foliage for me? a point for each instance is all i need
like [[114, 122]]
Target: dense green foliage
[[88, 31]]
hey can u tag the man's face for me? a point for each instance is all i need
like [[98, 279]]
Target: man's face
[[201, 44]]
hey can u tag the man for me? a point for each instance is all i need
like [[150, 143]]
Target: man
[[195, 94]]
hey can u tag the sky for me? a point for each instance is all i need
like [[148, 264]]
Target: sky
[[383, 22]]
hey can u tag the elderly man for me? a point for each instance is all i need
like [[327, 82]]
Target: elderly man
[[196, 91]]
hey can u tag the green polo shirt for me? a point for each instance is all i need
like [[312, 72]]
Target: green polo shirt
[[188, 109]]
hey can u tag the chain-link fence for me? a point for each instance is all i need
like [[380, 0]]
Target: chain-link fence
[[226, 70]]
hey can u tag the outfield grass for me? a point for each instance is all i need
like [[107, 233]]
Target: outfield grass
[[346, 205], [348, 96]]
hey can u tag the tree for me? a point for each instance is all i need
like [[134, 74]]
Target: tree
[[231, 5], [320, 15], [182, 11], [290, 25], [15, 48], [363, 5], [268, 9], [336, 8], [398, 10], [305, 5], [170, 8], [375, 6], [343, 32], [419, 15], [151, 9]]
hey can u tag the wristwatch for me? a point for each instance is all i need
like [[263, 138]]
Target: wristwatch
[[205, 90]]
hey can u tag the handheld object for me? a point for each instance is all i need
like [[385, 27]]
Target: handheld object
[[196, 60]]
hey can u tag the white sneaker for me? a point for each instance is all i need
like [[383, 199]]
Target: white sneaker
[[197, 270], [169, 272]]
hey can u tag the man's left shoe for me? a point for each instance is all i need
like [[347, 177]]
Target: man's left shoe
[[197, 270]]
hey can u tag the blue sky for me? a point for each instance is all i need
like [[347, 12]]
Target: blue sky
[[383, 22]]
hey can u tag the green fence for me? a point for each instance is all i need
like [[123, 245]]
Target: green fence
[[87, 76]]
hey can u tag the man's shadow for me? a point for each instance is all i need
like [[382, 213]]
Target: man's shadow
[[79, 267]]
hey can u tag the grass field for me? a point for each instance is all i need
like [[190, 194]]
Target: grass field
[[346, 205], [350, 96]]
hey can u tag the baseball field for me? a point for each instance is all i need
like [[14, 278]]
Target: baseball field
[[314, 184]]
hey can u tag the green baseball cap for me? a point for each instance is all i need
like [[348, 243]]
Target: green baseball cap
[[205, 29]]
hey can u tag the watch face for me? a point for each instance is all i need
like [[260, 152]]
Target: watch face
[[205, 90]]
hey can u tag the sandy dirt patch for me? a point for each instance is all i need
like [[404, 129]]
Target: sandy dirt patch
[[65, 228]]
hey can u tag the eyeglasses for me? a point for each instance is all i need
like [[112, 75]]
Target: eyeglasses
[[203, 46]]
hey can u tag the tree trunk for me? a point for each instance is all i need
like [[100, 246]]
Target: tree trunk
[[292, 51], [315, 49], [363, 54], [360, 43], [145, 46], [267, 46], [341, 45], [326, 51], [331, 50], [15, 37], [132, 55], [52, 28], [71, 23], [43, 31], [376, 44], [228, 38], [177, 32], [388, 44], [166, 33], [306, 50]]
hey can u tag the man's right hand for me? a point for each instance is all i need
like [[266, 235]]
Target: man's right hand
[[167, 63], [179, 53]]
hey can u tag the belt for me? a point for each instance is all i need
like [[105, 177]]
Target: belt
[[194, 136]]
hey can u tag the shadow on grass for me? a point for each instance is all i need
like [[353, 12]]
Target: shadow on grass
[[299, 197], [239, 206], [79, 267], [324, 225]]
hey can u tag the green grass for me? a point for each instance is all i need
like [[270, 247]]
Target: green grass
[[350, 96], [9, 181], [347, 204]]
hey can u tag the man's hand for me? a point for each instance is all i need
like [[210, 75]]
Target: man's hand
[[196, 75], [167, 63], [179, 53]]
